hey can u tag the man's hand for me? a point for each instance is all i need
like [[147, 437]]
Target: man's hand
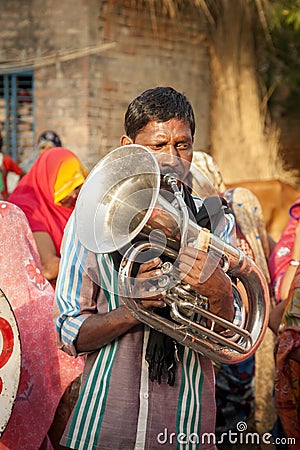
[[148, 274], [217, 287]]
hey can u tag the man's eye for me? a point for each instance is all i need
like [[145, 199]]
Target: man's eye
[[156, 147], [183, 146]]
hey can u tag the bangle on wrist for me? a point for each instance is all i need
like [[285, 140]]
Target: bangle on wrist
[[294, 262]]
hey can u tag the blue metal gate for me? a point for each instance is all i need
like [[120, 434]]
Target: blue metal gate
[[17, 114]]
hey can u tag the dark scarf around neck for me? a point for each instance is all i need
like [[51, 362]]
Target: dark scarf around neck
[[162, 350]]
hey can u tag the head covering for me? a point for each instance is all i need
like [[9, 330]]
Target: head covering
[[282, 252], [206, 165], [68, 178], [249, 217], [54, 175], [49, 136], [46, 371], [294, 210], [236, 384]]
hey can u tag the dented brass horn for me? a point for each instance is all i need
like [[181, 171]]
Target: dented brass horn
[[121, 206]]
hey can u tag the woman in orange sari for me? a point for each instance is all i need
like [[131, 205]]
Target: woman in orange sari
[[47, 195]]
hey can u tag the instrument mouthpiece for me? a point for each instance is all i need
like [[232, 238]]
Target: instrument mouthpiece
[[170, 179]]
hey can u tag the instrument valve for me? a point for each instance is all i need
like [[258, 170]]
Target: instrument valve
[[163, 282], [166, 267]]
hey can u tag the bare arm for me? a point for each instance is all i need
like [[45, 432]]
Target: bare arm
[[291, 270], [100, 329], [50, 261], [274, 322]]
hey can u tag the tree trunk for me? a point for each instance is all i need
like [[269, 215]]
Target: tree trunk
[[241, 145]]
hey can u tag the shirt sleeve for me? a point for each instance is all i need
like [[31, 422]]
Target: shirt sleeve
[[228, 234], [76, 289], [11, 166]]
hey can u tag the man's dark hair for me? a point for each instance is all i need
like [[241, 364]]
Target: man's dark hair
[[159, 104]]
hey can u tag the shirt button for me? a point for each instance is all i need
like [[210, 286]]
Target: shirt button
[[146, 395]]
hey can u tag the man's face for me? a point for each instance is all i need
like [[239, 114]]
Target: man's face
[[172, 144], [70, 200]]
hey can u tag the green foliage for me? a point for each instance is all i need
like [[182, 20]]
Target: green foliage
[[285, 13], [282, 64]]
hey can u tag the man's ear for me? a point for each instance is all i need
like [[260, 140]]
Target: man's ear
[[125, 140]]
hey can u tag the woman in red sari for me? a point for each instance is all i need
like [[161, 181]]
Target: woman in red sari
[[47, 195], [46, 372], [285, 322], [287, 380]]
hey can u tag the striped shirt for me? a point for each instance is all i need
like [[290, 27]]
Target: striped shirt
[[119, 408]]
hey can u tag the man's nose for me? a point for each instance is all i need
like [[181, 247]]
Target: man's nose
[[170, 156]]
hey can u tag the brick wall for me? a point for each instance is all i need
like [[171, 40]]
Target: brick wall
[[173, 53], [84, 98]]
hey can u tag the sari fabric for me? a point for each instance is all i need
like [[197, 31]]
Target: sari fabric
[[245, 390], [249, 216], [287, 379], [55, 174], [46, 372], [281, 255]]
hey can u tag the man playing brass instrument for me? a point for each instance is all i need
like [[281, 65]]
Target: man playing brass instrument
[[139, 392]]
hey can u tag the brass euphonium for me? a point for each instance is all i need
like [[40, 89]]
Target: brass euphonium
[[121, 207]]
